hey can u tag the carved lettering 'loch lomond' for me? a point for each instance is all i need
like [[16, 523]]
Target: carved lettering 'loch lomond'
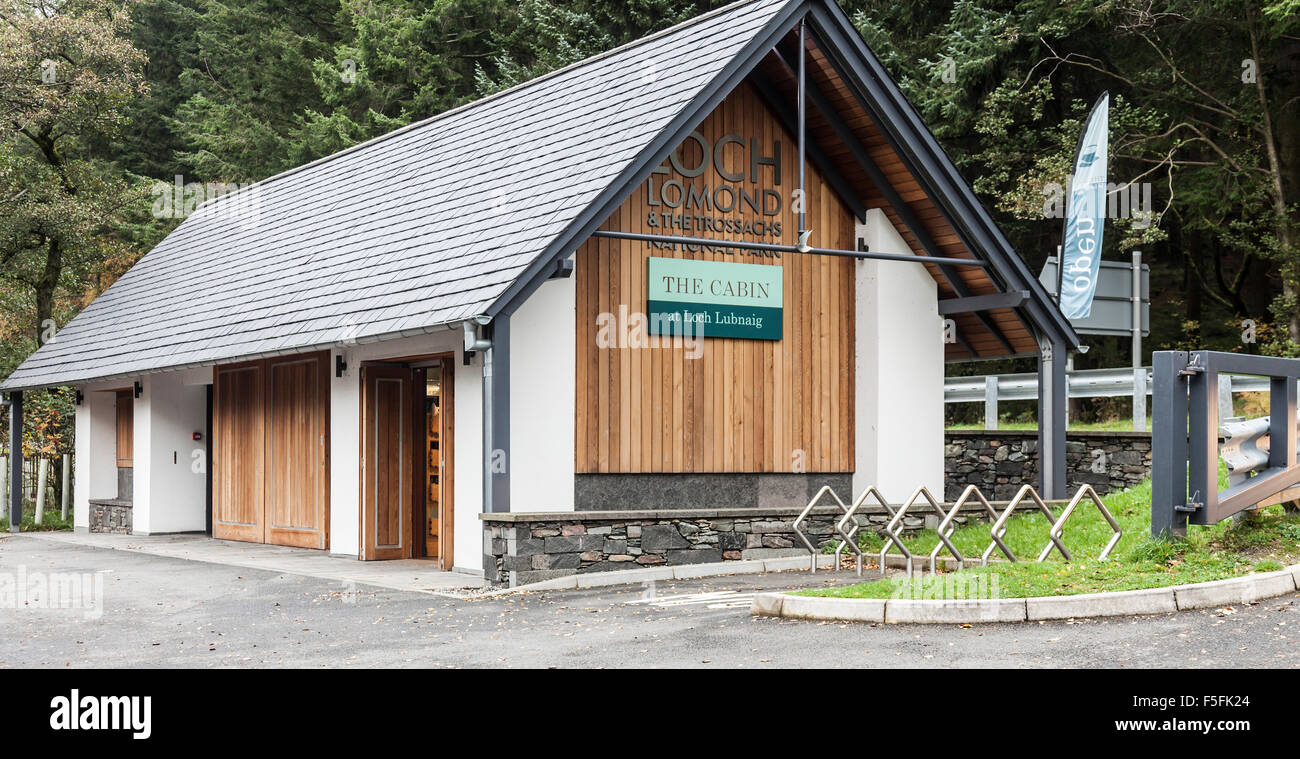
[[733, 160]]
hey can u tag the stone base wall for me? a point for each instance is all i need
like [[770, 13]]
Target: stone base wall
[[110, 516], [999, 462], [526, 548], [125, 483]]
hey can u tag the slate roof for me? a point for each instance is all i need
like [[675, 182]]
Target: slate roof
[[423, 227]]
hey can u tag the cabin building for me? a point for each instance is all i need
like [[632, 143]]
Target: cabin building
[[581, 301]]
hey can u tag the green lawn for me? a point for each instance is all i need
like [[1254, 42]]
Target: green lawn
[[53, 520], [1265, 543]]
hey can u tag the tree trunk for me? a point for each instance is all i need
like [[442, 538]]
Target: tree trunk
[[1196, 256], [45, 288]]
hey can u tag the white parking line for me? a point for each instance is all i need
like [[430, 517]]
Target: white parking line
[[718, 599]]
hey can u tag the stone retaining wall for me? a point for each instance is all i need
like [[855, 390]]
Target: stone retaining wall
[[999, 462], [525, 548]]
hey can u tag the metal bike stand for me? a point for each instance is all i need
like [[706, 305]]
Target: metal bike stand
[[891, 535], [804, 515], [999, 528], [1059, 527], [946, 529], [850, 537]]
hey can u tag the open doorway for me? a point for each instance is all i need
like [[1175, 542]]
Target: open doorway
[[406, 461]]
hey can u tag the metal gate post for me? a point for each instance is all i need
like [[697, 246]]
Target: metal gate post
[[1051, 417], [1169, 447]]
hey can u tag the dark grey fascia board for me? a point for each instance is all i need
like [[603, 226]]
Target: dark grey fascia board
[[980, 360], [974, 303], [650, 158], [867, 78]]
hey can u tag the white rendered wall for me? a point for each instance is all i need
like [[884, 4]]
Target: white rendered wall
[[543, 378], [94, 472], [899, 371], [169, 494], [345, 444], [468, 464]]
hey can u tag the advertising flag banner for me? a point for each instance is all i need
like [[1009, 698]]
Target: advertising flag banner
[[1085, 216]]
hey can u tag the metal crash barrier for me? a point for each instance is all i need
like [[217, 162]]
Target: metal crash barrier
[[848, 526]]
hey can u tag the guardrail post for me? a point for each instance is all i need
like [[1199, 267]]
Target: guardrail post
[[991, 402], [1225, 396], [1169, 447], [1139, 399]]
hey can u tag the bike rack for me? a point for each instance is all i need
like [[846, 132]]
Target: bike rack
[[804, 515], [891, 536], [849, 536], [946, 530], [1059, 526], [997, 531]]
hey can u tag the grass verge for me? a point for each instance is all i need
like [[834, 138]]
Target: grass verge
[[1265, 541], [53, 520]]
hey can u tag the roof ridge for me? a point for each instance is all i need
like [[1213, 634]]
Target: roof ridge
[[487, 98]]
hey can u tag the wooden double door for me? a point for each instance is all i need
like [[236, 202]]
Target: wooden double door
[[270, 444], [406, 461]]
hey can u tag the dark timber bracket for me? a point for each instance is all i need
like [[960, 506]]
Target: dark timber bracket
[[976, 303]]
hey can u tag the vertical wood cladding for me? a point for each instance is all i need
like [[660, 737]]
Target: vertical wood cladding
[[739, 405]]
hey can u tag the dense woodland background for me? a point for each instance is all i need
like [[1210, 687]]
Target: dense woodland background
[[101, 99]]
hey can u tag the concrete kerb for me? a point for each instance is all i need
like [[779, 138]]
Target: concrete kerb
[[1212, 594], [695, 571], [659, 574], [1237, 590]]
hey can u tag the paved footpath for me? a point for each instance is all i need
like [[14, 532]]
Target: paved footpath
[[161, 611]]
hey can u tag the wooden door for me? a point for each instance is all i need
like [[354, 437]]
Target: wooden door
[[388, 440], [297, 451], [446, 435], [270, 443], [238, 443], [125, 400]]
